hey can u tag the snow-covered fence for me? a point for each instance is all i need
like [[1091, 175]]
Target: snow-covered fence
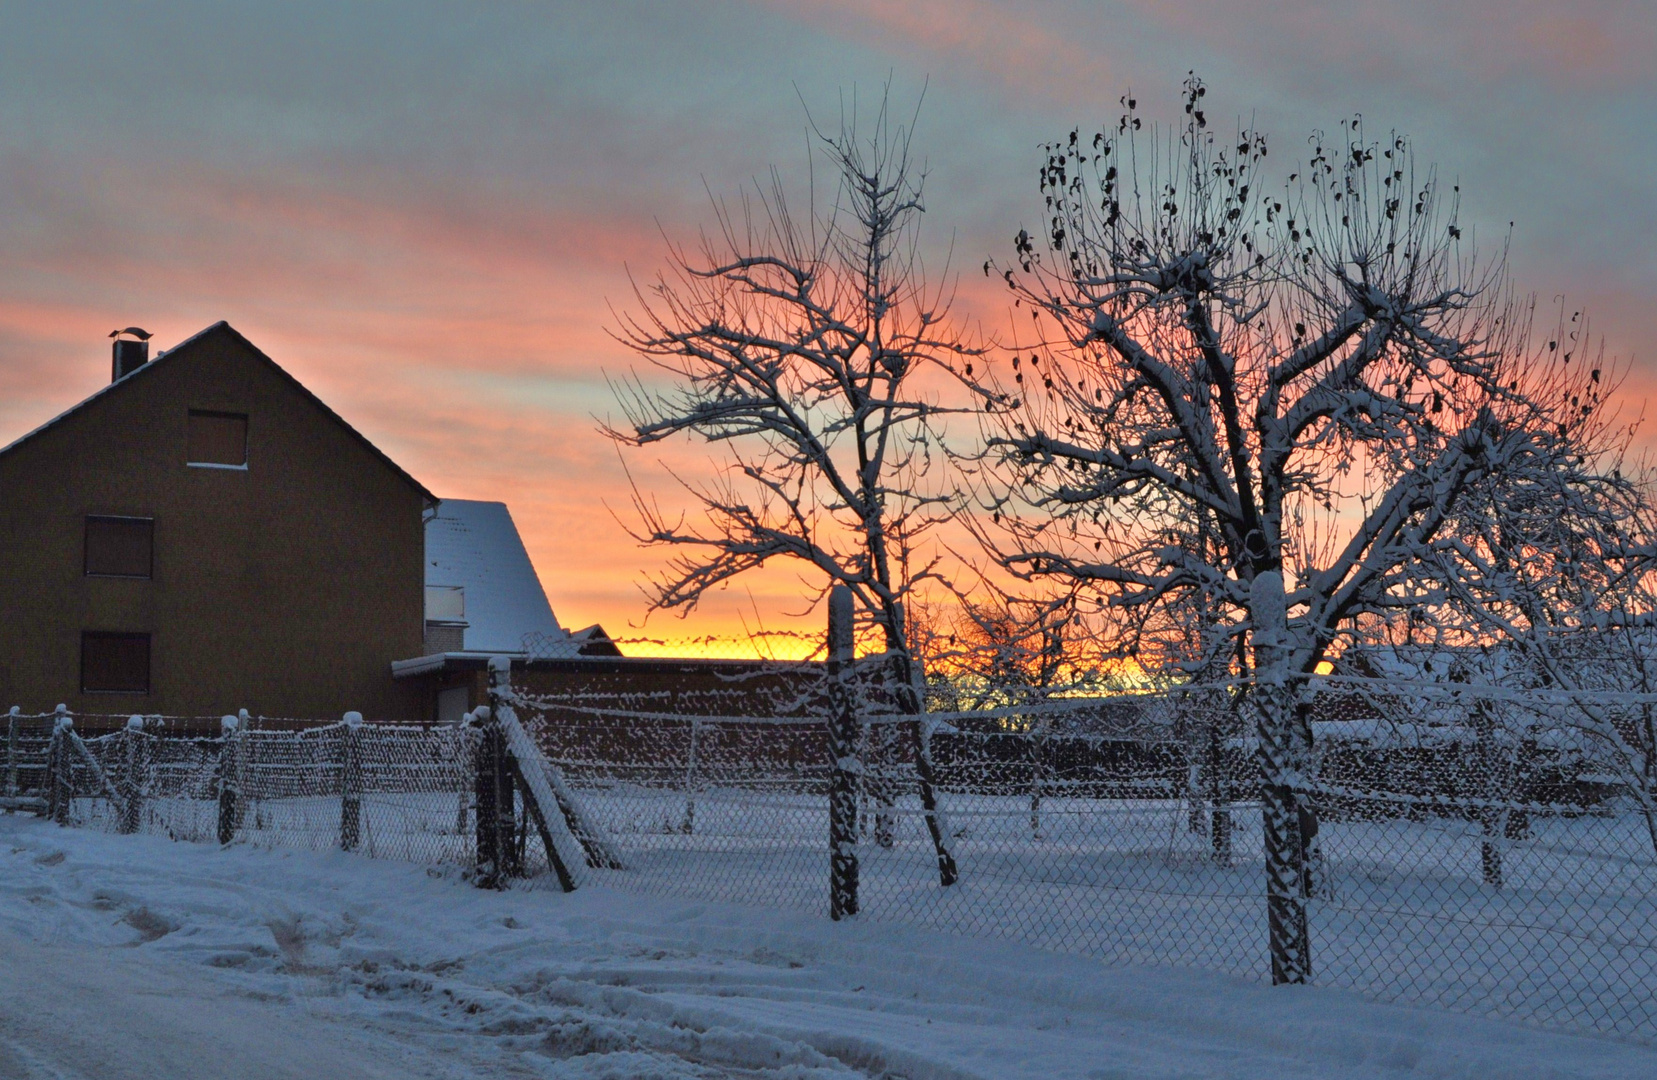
[[1472, 847], [477, 796], [401, 792], [1484, 849]]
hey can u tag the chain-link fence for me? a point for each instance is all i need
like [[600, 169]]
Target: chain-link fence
[[385, 791], [1487, 850]]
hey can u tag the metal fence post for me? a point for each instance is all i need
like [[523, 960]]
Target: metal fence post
[[1036, 745], [689, 825], [350, 783], [228, 779], [843, 744], [1280, 763], [132, 779]]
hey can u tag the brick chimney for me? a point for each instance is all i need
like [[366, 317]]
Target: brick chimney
[[131, 351]]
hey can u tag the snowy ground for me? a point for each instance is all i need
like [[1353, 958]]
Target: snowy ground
[[133, 956]]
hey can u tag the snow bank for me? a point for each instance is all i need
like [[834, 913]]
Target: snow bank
[[383, 963]]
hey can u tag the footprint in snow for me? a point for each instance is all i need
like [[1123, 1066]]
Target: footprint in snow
[[150, 926]]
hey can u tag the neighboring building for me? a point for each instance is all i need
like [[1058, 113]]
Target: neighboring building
[[204, 535], [482, 593], [483, 599]]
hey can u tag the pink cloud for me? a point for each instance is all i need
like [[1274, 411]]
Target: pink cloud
[[1079, 53], [1592, 44], [1012, 45]]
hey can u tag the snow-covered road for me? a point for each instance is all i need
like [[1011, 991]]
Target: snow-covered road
[[138, 957]]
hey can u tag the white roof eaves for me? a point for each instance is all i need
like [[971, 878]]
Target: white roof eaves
[[421, 665]]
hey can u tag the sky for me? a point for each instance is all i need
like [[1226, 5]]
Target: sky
[[428, 213]]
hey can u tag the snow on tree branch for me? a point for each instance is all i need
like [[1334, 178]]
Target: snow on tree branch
[[799, 344], [1236, 372]]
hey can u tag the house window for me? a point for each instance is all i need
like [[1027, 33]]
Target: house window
[[218, 439], [115, 663], [119, 546]]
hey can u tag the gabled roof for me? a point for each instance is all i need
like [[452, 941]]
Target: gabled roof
[[218, 329], [476, 546]]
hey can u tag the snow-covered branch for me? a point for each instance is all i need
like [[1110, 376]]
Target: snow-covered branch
[[799, 344]]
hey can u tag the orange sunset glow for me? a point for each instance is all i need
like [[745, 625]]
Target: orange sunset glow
[[781, 539], [432, 226]]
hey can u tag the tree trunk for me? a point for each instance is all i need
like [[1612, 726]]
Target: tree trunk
[[1490, 816], [936, 826], [1219, 832], [1280, 765], [843, 745]]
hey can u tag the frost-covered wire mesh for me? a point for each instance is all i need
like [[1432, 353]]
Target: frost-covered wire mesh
[[27, 738], [1483, 850], [1069, 820], [1486, 850], [385, 791]]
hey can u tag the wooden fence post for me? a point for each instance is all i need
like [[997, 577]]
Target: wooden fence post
[[350, 783], [485, 859], [11, 750], [132, 775], [514, 833], [228, 778], [54, 748], [497, 849], [61, 769], [463, 797], [843, 745], [247, 793]]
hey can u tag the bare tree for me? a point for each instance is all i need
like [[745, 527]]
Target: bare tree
[[800, 346], [1317, 371], [987, 647], [1562, 576]]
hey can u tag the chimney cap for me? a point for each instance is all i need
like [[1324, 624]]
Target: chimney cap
[[127, 354], [136, 331]]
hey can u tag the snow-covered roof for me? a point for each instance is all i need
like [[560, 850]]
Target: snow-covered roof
[[475, 545]]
